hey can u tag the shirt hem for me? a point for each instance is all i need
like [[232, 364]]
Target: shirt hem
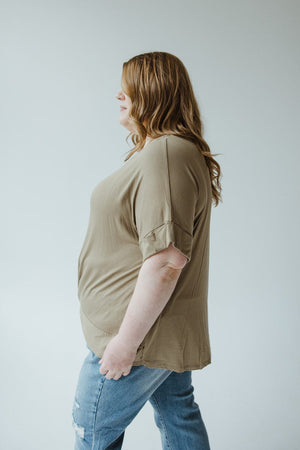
[[156, 364], [97, 340]]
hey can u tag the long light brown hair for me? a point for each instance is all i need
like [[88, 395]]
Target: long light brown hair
[[163, 102]]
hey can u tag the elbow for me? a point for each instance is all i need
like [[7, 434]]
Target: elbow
[[170, 274]]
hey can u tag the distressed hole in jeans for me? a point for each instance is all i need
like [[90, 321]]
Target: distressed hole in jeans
[[78, 429]]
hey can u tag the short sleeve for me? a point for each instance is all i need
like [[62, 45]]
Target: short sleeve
[[166, 198]]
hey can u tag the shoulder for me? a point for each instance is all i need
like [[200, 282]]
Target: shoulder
[[181, 148], [170, 147]]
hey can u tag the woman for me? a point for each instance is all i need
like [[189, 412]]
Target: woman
[[143, 267]]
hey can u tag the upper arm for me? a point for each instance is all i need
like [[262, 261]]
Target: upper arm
[[169, 257]]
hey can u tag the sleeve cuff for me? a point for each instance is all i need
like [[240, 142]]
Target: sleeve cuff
[[160, 238]]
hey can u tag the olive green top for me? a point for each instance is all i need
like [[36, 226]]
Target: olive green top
[[162, 194]]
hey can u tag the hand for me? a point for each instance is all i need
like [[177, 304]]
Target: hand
[[117, 358]]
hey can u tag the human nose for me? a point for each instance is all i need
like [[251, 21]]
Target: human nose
[[119, 95]]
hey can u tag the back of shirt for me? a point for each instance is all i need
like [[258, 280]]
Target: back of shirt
[[161, 195]]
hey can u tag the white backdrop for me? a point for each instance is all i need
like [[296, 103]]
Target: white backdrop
[[61, 64]]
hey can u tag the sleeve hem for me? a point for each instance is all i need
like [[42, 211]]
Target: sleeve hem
[[160, 238]]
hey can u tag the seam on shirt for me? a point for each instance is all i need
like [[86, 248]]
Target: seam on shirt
[[199, 151], [107, 333], [200, 267], [165, 223], [169, 182]]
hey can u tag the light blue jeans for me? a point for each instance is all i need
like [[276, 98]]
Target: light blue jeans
[[103, 408]]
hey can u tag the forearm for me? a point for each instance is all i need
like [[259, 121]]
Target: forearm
[[153, 289]]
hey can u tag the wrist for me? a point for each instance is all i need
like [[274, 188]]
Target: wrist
[[128, 341]]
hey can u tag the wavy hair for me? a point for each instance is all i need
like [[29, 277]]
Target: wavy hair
[[163, 102]]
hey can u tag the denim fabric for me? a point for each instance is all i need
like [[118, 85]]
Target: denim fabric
[[103, 408]]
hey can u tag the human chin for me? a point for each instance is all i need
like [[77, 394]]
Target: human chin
[[124, 121], [124, 115]]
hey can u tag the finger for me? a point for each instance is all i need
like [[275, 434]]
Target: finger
[[103, 371], [113, 375], [109, 375], [127, 371]]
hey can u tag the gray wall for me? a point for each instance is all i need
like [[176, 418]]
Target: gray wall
[[61, 65]]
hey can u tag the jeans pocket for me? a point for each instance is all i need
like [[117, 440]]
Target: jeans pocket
[[90, 350]]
